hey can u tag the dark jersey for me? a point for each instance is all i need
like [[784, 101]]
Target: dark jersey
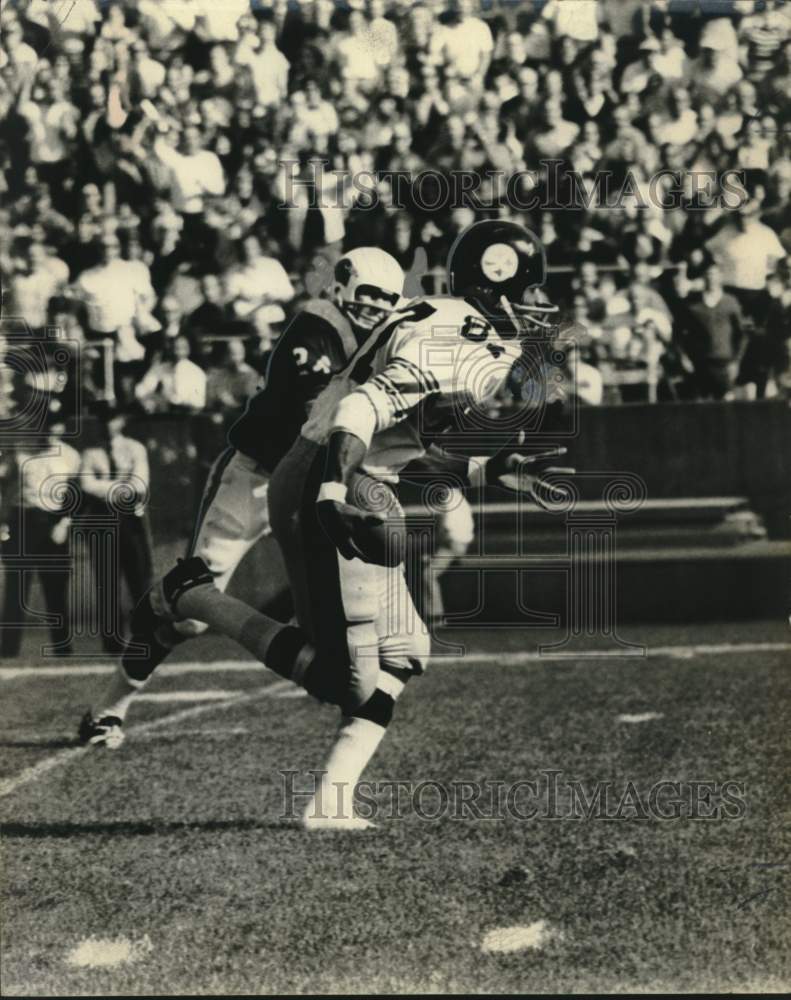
[[317, 343]]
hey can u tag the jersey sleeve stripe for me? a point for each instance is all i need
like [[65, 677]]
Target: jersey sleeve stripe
[[424, 379], [397, 401]]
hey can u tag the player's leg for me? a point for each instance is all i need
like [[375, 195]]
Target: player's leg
[[455, 533], [364, 660], [232, 517], [190, 591]]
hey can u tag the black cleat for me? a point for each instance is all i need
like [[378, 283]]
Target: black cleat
[[107, 731]]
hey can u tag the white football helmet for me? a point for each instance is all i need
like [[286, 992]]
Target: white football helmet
[[368, 284]]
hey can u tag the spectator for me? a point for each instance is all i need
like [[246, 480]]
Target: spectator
[[583, 381], [35, 519], [358, 67], [315, 119], [234, 93], [175, 383], [267, 63], [713, 337], [37, 278], [257, 280], [463, 44], [747, 252], [556, 135], [577, 20], [173, 324], [717, 68], [208, 319], [230, 385], [52, 123], [194, 174], [114, 477], [146, 74]]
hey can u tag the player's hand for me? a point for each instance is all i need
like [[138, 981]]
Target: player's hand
[[348, 528], [60, 531], [530, 474]]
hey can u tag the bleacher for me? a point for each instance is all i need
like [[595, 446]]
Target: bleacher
[[680, 559]]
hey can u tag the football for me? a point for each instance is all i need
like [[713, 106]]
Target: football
[[383, 541]]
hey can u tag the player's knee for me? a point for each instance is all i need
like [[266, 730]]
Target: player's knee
[[406, 653], [378, 708], [456, 526], [346, 676], [189, 627]]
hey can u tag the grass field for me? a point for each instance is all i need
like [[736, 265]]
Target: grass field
[[166, 868]]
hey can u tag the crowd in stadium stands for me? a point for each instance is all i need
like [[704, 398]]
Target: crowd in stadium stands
[[163, 192]]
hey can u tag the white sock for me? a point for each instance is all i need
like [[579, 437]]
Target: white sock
[[119, 695], [354, 745]]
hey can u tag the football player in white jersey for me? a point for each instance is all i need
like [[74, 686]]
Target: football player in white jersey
[[368, 284], [429, 367]]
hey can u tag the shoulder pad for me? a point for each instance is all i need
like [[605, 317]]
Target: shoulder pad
[[331, 314]]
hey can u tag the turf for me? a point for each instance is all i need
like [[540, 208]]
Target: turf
[[176, 841]]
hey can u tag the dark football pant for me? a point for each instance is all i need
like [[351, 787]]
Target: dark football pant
[[360, 617], [30, 538]]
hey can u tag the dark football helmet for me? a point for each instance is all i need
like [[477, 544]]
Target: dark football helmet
[[499, 266]]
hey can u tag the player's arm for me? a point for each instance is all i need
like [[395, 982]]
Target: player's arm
[[346, 450], [510, 467], [382, 401]]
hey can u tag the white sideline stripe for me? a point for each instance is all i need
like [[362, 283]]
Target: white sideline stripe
[[508, 659], [102, 669], [56, 760], [165, 697]]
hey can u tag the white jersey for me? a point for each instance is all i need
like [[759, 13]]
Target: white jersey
[[422, 369]]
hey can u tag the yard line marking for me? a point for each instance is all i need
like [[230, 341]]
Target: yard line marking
[[164, 697], [639, 717], [512, 659], [505, 940], [62, 757], [106, 953]]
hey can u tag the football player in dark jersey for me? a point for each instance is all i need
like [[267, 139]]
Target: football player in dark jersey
[[368, 284]]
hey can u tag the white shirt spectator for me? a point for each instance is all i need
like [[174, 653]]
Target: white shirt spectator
[[217, 22], [44, 474], [270, 72], [165, 22], [31, 292], [320, 121], [383, 38], [192, 176], [588, 384], [150, 74], [576, 19], [262, 280], [21, 56], [747, 258], [82, 17], [130, 461], [753, 154], [462, 47], [50, 126], [178, 383], [114, 292], [357, 58], [679, 131]]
